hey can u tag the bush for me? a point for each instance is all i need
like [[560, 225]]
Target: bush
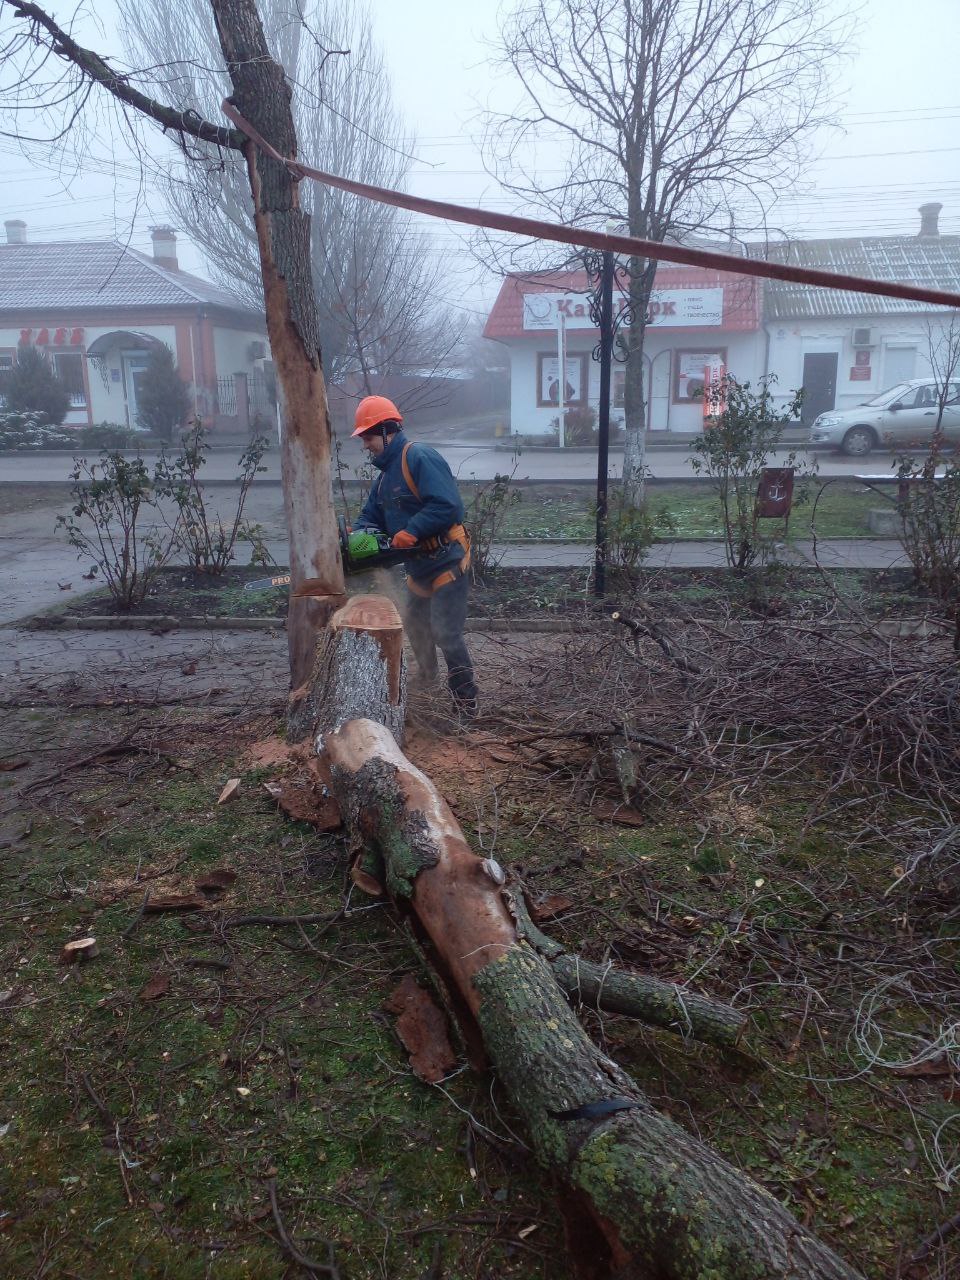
[[23, 431], [104, 525], [162, 397], [208, 543], [32, 386], [580, 425], [107, 435], [743, 429], [930, 511], [484, 516]]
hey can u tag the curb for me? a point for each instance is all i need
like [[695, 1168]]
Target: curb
[[894, 627], [200, 622]]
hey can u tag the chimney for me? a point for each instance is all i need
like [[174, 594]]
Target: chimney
[[929, 213], [16, 231], [165, 247]]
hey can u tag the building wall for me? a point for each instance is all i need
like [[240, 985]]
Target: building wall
[[900, 348], [205, 347], [106, 392], [667, 411], [232, 348]]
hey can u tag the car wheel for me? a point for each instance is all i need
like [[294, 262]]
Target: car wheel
[[858, 442]]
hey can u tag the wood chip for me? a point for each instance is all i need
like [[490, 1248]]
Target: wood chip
[[8, 766], [549, 905], [216, 880], [79, 951], [174, 902], [366, 882], [229, 791], [156, 987], [422, 1028], [607, 811]]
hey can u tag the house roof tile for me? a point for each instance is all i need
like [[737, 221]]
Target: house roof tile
[[923, 260], [84, 275]]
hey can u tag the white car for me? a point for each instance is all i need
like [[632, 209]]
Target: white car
[[902, 417]]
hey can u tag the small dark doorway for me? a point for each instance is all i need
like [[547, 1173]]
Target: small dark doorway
[[819, 384]]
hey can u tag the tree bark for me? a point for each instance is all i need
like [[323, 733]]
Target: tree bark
[[644, 1197], [634, 392], [261, 94], [358, 671], [604, 987]]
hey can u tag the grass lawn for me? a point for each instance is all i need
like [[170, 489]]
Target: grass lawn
[[550, 511], [153, 1098]]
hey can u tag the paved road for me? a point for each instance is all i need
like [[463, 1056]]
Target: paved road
[[467, 461]]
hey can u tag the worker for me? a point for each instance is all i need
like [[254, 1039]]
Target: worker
[[416, 501]]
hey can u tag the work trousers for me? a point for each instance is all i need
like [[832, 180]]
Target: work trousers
[[438, 620]]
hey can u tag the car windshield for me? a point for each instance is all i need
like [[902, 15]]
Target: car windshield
[[887, 397]]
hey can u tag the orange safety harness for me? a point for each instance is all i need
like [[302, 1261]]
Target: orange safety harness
[[456, 533]]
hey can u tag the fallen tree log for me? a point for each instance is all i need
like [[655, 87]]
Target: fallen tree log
[[643, 1198]]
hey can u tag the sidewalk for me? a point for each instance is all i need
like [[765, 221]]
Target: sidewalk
[[35, 578]]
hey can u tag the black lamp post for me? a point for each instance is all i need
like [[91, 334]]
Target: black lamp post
[[604, 352]]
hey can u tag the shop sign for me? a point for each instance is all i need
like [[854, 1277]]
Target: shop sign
[[669, 308], [52, 336]]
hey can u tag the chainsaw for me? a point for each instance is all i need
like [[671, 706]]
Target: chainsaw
[[361, 550]]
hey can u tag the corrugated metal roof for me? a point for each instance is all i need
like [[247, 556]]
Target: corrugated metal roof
[[80, 274], [923, 260], [740, 297]]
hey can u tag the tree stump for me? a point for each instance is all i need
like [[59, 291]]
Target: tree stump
[[358, 672]]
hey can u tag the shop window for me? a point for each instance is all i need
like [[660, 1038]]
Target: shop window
[[689, 371], [69, 367], [7, 358], [548, 383]]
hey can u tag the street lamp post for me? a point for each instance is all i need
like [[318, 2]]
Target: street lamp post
[[604, 352]]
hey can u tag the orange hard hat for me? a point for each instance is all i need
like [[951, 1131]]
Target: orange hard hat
[[371, 411]]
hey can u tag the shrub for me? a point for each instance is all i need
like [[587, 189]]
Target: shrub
[[104, 524], [162, 398], [580, 425], [208, 543], [107, 435], [484, 517], [22, 431], [931, 528], [32, 386], [743, 429]]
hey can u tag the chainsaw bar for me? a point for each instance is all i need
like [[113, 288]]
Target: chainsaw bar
[[264, 584]]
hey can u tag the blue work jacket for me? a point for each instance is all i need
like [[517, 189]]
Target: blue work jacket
[[391, 506]]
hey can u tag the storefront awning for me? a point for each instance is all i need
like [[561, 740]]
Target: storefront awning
[[122, 339]]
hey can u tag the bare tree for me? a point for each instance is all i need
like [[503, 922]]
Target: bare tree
[[52, 77], [943, 352], [376, 278], [669, 116]]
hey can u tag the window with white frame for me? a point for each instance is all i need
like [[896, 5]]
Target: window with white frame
[[69, 367]]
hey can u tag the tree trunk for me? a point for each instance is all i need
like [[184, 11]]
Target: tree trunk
[[644, 1198], [635, 394], [261, 94]]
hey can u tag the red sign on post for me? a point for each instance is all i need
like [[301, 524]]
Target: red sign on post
[[775, 492]]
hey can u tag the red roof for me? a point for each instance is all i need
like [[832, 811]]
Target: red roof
[[741, 298]]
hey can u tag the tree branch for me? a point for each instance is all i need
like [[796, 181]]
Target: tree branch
[[97, 69]]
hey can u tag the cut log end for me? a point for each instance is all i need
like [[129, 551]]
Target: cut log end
[[79, 951]]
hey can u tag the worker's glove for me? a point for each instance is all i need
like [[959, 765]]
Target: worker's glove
[[403, 540]]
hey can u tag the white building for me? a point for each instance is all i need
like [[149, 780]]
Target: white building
[[842, 348], [97, 308]]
